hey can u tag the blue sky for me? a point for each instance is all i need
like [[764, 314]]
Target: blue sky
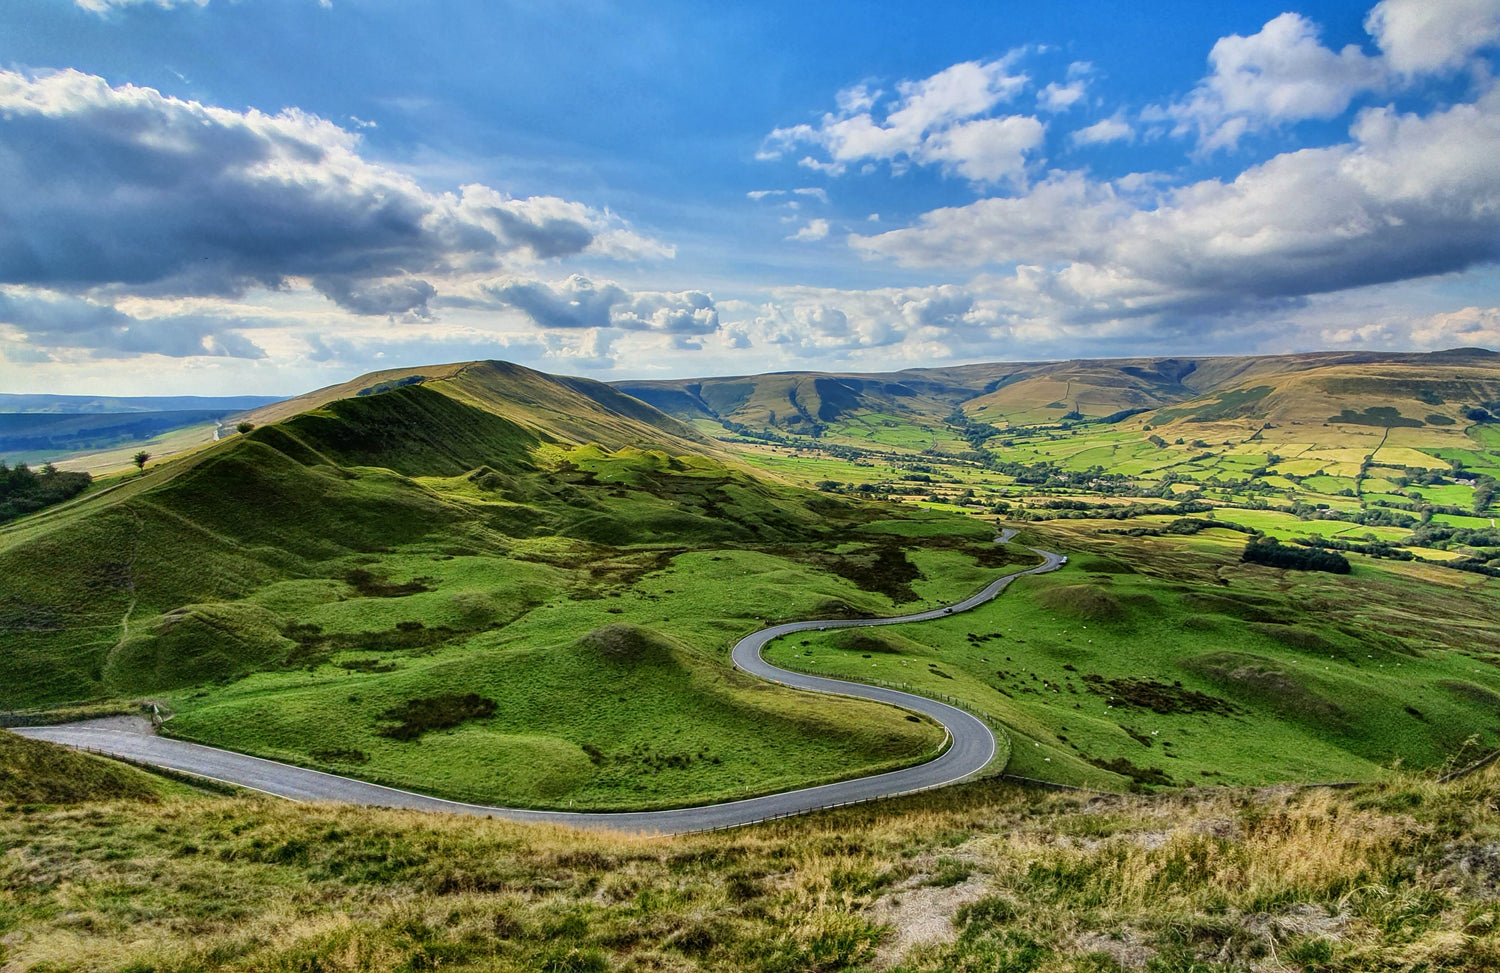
[[203, 196]]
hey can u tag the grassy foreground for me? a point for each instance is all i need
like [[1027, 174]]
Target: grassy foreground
[[1397, 875]]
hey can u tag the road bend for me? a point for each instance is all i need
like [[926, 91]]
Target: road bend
[[971, 747]]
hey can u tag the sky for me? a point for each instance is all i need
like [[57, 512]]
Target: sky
[[268, 196]]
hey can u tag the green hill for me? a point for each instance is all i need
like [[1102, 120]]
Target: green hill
[[438, 533], [805, 403]]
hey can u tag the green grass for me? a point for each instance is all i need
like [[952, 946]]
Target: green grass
[[1392, 875], [32, 772], [1306, 694], [286, 592]]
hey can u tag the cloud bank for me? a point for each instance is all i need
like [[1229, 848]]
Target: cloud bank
[[125, 188]]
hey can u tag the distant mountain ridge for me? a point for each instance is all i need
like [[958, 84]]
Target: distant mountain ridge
[[29, 404], [1024, 392]]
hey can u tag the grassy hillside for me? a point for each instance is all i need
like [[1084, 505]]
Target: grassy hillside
[[1155, 661], [1284, 388], [32, 772], [1398, 875], [453, 548]]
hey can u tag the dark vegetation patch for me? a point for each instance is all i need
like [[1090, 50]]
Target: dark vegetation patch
[[388, 386], [1269, 684], [1384, 416], [418, 716], [625, 644], [371, 586], [341, 755], [368, 665], [1438, 419], [1245, 608], [881, 568], [859, 642], [1125, 768], [1157, 695], [1270, 552], [34, 772], [23, 490], [1085, 601], [1470, 693], [1228, 405], [1182, 526], [314, 646]]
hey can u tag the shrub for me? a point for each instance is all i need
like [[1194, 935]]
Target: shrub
[[1268, 551]]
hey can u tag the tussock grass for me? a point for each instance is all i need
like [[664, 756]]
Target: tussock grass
[[32, 772], [1399, 874]]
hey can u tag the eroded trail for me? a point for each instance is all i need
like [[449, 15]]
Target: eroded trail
[[972, 747]]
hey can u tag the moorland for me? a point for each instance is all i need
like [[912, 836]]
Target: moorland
[[491, 584], [484, 582]]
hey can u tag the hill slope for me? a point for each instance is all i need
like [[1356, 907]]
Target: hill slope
[[413, 539], [1021, 393]]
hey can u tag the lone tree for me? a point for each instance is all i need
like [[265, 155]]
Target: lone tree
[[140, 459], [244, 427]]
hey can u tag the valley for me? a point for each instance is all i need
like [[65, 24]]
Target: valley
[[495, 586]]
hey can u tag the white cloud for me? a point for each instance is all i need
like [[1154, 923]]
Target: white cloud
[[126, 189], [816, 192], [1279, 75], [943, 120], [1408, 196], [1060, 97], [1112, 129], [104, 6], [1473, 327], [1419, 36], [814, 230]]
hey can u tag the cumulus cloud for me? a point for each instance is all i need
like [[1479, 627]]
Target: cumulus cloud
[[814, 230], [1407, 196], [1419, 36], [1281, 74], [46, 321], [944, 120], [1474, 327], [1112, 129], [579, 302], [1060, 97], [126, 188]]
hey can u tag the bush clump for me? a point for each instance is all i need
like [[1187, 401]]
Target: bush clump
[[417, 716], [1270, 552]]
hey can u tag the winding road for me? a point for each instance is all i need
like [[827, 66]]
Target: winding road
[[972, 747]]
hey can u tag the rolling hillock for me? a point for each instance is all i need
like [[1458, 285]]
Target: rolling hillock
[[443, 541], [107, 596]]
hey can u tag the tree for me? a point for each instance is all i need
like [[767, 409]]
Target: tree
[[140, 459], [1484, 495], [244, 427]]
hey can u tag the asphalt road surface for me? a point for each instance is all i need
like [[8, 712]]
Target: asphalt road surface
[[972, 747]]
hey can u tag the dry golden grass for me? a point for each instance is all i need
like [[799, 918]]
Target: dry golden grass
[[1378, 877]]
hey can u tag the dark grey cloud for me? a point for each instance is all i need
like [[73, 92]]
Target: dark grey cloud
[[61, 321], [123, 187], [579, 302]]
